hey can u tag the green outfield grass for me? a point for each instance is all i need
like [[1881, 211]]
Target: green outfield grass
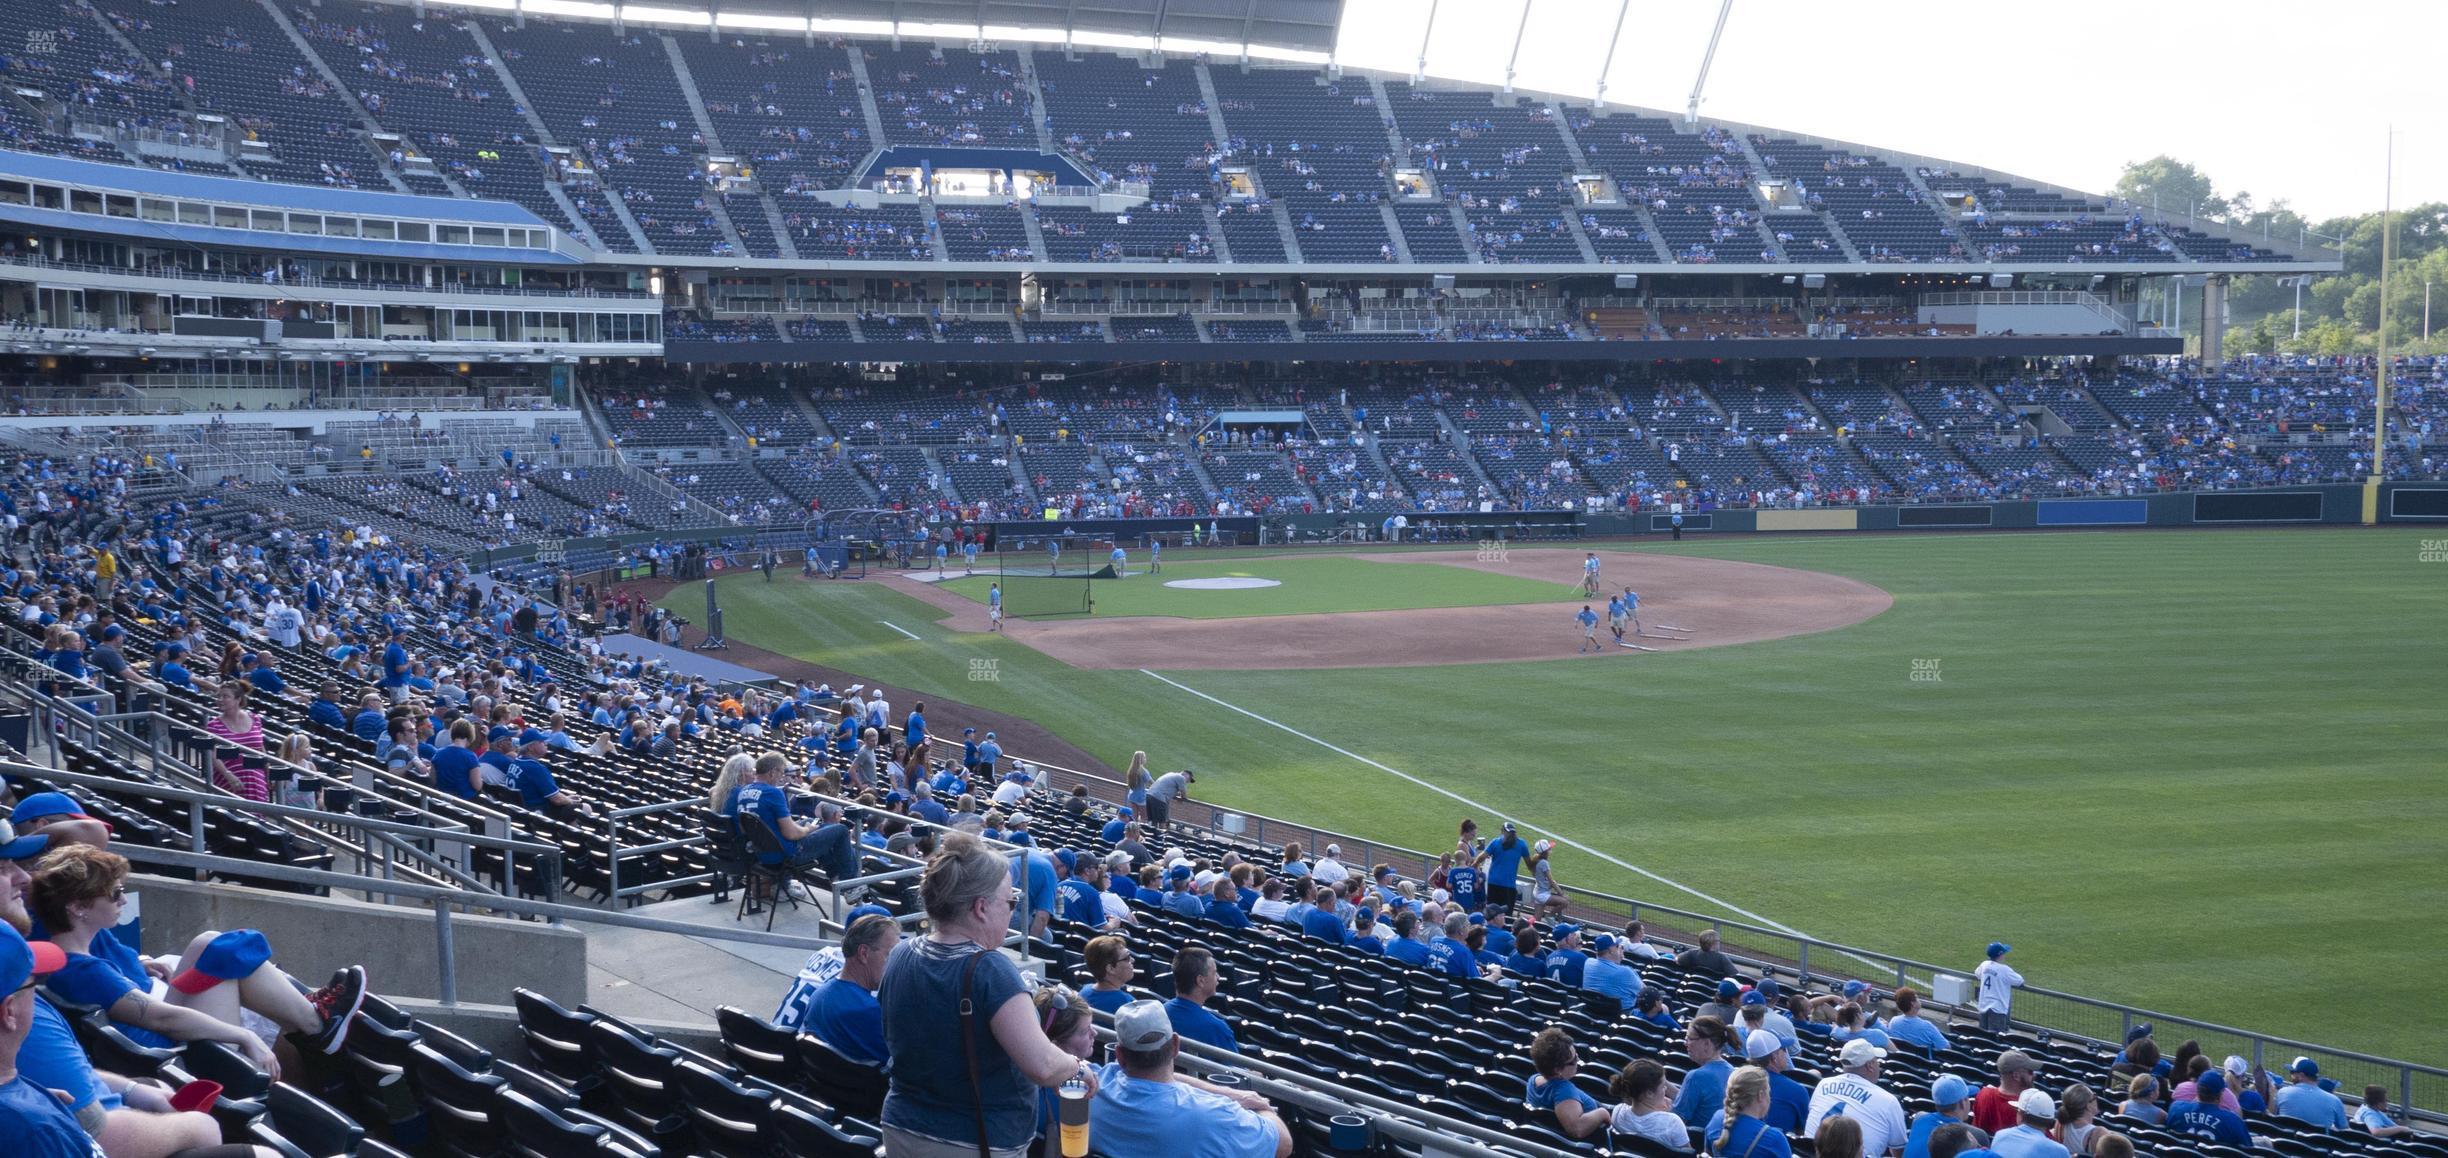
[[1310, 583], [2195, 771]]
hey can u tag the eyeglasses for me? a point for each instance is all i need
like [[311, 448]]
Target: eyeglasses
[[119, 894]]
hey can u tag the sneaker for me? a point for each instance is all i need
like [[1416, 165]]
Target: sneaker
[[338, 1003]]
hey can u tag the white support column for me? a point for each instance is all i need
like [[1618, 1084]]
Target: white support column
[[1419, 72], [1608, 65], [1519, 31]]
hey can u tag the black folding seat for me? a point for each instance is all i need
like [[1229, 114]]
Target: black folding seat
[[855, 1088], [459, 1105], [804, 1134], [556, 1038], [535, 1131], [299, 1125], [760, 1048], [730, 1119], [637, 1090]]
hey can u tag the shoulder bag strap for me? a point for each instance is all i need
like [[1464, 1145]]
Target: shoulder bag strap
[[969, 1049]]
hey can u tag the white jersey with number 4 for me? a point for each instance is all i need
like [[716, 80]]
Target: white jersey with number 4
[[1998, 982]]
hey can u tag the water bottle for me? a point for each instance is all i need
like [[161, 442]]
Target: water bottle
[[1075, 1119]]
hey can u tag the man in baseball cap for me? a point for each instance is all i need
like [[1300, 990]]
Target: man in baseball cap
[[57, 815], [1856, 1094], [2303, 1099], [1993, 1109], [1788, 1100], [1143, 1107], [1952, 1097], [34, 1122], [2036, 1114]]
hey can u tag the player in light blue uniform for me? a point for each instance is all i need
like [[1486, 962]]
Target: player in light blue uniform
[[1589, 629], [994, 607], [1631, 602], [1589, 573], [1155, 555], [1615, 616], [943, 555], [1121, 558], [969, 553]]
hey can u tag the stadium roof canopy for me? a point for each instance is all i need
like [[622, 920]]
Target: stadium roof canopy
[[1296, 30]]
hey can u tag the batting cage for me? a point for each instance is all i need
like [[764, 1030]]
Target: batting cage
[[1042, 584]]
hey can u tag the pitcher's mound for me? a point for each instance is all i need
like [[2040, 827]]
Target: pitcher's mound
[[1224, 583]]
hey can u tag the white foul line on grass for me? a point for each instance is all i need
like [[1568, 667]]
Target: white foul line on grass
[[1473, 804], [899, 628]]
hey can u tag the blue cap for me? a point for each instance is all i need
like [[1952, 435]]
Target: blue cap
[[1727, 990], [1755, 997], [1999, 949], [1562, 931], [500, 732], [1067, 858], [1856, 988], [894, 797], [1950, 1090], [21, 961], [968, 731], [1767, 987], [43, 804], [231, 956], [250, 657], [2208, 1087], [15, 847], [2305, 1066], [114, 631], [868, 910], [1126, 813], [531, 736], [1603, 942], [1478, 918], [1181, 872]]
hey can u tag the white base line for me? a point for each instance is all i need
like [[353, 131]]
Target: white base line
[[901, 629], [1476, 806]]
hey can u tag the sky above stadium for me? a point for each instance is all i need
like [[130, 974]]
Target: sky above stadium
[[2280, 100]]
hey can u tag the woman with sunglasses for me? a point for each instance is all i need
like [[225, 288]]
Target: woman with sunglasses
[[78, 891], [1110, 970], [965, 1083]]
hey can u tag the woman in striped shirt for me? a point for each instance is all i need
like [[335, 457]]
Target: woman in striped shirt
[[238, 727]]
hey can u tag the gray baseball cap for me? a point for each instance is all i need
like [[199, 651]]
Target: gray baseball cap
[[1142, 1025]]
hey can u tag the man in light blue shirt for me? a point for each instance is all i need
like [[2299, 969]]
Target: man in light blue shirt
[[1605, 973], [2028, 1137], [1143, 1107], [2303, 1100]]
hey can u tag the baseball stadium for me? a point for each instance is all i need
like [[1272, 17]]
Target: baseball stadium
[[854, 578]]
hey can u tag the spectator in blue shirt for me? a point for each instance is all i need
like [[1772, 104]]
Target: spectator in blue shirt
[[1650, 1006], [1194, 983], [1115, 827], [1450, 953], [1526, 959], [370, 723], [1406, 946], [843, 1012], [1111, 969], [1567, 963], [1909, 1027], [2203, 1117], [1707, 1041], [1180, 897], [1952, 1097], [1577, 1114], [1364, 933], [1606, 973], [1224, 905], [2303, 1100], [1143, 1106]]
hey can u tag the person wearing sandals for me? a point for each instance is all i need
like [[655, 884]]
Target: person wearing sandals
[[969, 1051]]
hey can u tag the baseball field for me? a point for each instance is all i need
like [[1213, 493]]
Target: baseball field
[[2195, 771]]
